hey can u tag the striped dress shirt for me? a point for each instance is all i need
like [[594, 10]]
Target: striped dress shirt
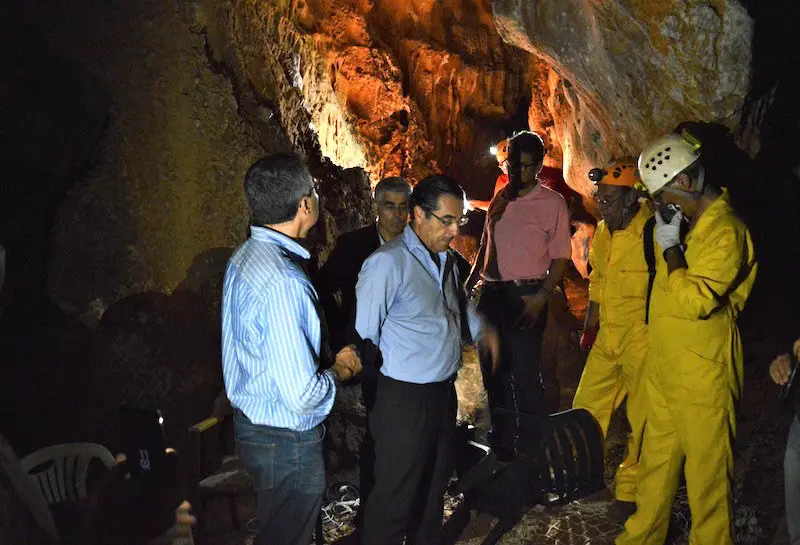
[[272, 335]]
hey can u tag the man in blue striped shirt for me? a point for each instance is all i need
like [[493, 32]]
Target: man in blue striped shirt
[[273, 352], [411, 305]]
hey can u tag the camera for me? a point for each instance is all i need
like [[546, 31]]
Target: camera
[[667, 211]]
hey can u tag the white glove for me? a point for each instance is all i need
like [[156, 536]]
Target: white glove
[[668, 234]]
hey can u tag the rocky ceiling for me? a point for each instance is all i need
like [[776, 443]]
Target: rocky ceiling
[[413, 87]]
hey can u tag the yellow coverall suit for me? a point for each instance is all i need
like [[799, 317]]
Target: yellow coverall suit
[[618, 283], [693, 379]]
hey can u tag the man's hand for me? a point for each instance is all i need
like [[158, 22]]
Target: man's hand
[[668, 234], [781, 369], [347, 364], [181, 533], [533, 308], [489, 344]]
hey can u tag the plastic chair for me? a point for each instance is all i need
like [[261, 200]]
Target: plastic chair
[[561, 460], [60, 470]]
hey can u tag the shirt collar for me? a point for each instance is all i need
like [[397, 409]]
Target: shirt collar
[[413, 242], [381, 242], [535, 191], [639, 220], [720, 206], [265, 234]]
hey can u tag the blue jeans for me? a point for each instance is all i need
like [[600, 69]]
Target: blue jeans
[[791, 481], [288, 472]]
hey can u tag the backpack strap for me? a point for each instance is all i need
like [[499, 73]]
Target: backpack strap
[[460, 271], [650, 259]]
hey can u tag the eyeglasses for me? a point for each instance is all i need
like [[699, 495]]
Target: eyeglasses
[[513, 164], [392, 207], [605, 201], [449, 221], [314, 187]]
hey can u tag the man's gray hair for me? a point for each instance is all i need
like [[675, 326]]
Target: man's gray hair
[[395, 184]]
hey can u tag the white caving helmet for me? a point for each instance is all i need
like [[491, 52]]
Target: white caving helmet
[[667, 157]]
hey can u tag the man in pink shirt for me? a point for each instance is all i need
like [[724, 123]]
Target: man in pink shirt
[[524, 253]]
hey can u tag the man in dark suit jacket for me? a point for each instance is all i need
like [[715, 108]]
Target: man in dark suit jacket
[[338, 276]]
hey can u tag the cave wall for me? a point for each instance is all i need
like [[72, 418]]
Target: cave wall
[[166, 185], [627, 71], [131, 145]]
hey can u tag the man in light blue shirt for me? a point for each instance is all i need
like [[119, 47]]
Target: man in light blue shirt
[[411, 306], [339, 276], [273, 352]]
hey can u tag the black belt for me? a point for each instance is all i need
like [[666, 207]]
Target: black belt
[[522, 282], [452, 378], [449, 380]]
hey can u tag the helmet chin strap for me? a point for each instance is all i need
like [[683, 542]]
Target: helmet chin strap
[[699, 184], [677, 192]]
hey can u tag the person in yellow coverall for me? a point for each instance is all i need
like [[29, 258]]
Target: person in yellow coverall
[[618, 290], [693, 375]]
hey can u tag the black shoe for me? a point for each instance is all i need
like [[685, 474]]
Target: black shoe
[[619, 511], [505, 454]]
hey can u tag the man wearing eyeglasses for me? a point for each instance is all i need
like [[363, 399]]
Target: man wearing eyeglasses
[[524, 253], [338, 278], [581, 231], [622, 256], [411, 305], [278, 370]]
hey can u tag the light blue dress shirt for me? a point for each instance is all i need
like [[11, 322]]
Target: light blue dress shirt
[[272, 335], [402, 308]]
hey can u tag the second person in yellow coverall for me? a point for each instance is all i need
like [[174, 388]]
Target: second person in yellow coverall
[[693, 376], [618, 286]]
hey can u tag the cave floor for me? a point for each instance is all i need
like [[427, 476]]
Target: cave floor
[[758, 514]]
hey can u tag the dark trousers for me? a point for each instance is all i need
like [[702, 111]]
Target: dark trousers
[[517, 385], [414, 427], [366, 454], [288, 473], [559, 320]]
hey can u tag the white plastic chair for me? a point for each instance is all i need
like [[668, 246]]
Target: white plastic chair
[[60, 470]]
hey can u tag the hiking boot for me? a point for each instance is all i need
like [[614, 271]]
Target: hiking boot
[[619, 511]]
